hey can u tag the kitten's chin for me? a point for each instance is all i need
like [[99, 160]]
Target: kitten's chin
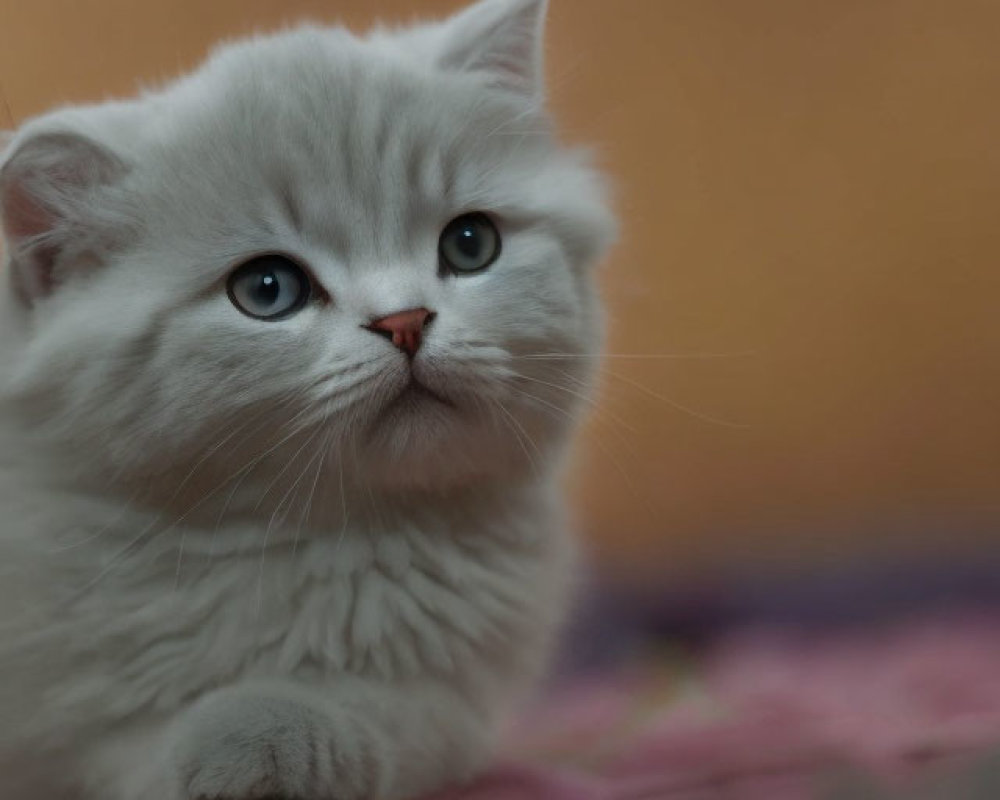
[[424, 440], [416, 398], [432, 431]]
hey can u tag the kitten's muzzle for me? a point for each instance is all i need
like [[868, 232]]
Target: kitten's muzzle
[[405, 329]]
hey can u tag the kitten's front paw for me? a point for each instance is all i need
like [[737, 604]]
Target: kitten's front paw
[[237, 746]]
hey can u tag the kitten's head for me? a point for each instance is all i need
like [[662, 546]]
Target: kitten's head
[[316, 242]]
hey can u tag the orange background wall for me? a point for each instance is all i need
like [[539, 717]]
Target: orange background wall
[[810, 187]]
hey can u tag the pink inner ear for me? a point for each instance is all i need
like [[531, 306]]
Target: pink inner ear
[[502, 40], [45, 194], [23, 218], [23, 215]]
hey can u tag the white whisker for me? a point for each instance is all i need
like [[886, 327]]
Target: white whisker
[[638, 356], [288, 496], [674, 404], [585, 398], [324, 448], [518, 430], [604, 448]]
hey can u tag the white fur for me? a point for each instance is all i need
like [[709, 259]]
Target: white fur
[[235, 564]]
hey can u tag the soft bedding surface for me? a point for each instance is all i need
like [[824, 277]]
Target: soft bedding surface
[[770, 714]]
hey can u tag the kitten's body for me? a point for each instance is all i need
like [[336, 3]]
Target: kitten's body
[[438, 611], [241, 558]]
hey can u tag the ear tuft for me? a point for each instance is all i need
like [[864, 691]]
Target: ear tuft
[[500, 39], [48, 184]]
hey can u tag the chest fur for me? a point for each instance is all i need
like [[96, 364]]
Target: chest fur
[[410, 605]]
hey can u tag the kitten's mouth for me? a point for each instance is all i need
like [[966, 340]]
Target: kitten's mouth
[[415, 391]]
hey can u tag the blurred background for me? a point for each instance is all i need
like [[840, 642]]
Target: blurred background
[[805, 370]]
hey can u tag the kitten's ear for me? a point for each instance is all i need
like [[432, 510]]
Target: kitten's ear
[[49, 183], [501, 39]]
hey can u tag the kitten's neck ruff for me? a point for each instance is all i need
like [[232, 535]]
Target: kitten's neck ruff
[[271, 509], [293, 494]]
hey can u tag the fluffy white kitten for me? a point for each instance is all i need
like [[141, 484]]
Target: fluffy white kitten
[[280, 422]]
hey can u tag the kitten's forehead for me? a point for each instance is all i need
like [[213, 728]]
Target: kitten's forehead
[[347, 138]]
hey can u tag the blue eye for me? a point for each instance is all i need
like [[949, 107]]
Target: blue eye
[[269, 287], [469, 243]]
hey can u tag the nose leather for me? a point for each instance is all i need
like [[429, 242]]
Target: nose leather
[[404, 329]]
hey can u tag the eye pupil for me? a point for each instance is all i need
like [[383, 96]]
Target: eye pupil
[[468, 242], [267, 290]]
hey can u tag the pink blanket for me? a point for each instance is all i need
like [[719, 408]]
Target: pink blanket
[[764, 716]]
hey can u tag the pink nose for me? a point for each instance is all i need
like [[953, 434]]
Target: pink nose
[[404, 328]]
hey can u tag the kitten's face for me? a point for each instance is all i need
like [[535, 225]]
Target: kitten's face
[[329, 246]]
